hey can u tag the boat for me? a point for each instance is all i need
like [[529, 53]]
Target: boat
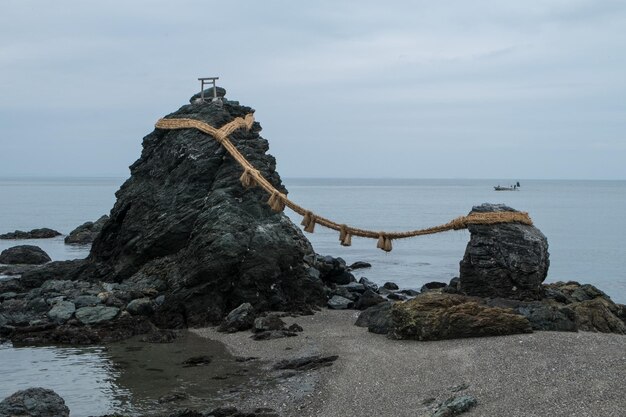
[[515, 187]]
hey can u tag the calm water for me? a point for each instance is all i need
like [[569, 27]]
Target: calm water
[[583, 220]]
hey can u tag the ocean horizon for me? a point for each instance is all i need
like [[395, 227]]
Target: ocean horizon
[[581, 219]]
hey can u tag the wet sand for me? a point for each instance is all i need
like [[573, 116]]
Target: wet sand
[[540, 374]]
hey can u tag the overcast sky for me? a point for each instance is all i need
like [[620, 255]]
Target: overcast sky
[[414, 89]]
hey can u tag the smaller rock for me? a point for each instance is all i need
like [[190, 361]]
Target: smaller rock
[[197, 361], [434, 285], [397, 296], [24, 254], [241, 318], [354, 287], [97, 314], [62, 311], [140, 307], [368, 299], [338, 302], [341, 279], [410, 293], [87, 301], [269, 322], [306, 363], [273, 334], [392, 286], [377, 318], [454, 406], [359, 265], [86, 232], [368, 284], [175, 396], [295, 327], [43, 233], [34, 402]]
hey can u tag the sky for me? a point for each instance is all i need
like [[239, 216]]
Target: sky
[[370, 89]]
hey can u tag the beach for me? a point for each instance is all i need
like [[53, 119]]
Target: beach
[[539, 374]]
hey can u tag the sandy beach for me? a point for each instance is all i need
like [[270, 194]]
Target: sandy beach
[[539, 374]]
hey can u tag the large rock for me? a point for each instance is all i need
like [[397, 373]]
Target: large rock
[[507, 260], [184, 217], [34, 402], [24, 254], [97, 314], [43, 233], [435, 316], [86, 232], [377, 319]]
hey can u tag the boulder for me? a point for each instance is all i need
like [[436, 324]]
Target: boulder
[[599, 315], [434, 285], [24, 254], [62, 311], [454, 406], [359, 265], [43, 233], [86, 232], [368, 299], [269, 322], [184, 217], [97, 314], [241, 318], [34, 402], [368, 284], [338, 302], [377, 318], [391, 286], [507, 260], [87, 301], [436, 316], [140, 307]]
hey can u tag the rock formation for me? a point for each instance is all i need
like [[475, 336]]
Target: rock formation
[[508, 260], [34, 402], [86, 232], [24, 254], [43, 233], [184, 245]]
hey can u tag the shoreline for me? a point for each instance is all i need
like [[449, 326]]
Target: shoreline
[[538, 374]]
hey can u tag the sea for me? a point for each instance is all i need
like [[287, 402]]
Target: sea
[[584, 221]]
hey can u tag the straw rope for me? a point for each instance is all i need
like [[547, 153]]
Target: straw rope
[[278, 201]]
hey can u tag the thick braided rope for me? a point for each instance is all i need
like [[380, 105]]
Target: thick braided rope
[[278, 200]]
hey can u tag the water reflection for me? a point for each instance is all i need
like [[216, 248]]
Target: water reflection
[[129, 377]]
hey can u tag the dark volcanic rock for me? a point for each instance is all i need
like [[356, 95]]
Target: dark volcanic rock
[[391, 286], [377, 319], [454, 406], [43, 233], [269, 322], [241, 318], [184, 217], [34, 402], [338, 302], [435, 316], [24, 254], [306, 363], [86, 232], [368, 299], [506, 260]]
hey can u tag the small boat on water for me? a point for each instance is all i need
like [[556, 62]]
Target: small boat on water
[[515, 187]]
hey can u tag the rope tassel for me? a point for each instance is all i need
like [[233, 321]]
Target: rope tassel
[[247, 180], [309, 222], [344, 236], [347, 240], [384, 243], [276, 202]]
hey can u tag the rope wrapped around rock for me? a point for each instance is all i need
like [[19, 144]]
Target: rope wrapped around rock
[[278, 201]]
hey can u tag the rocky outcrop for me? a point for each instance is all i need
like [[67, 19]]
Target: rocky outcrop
[[436, 316], [43, 233], [24, 254], [377, 318], [34, 402], [507, 260], [86, 232]]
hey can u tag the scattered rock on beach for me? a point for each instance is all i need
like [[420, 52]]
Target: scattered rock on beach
[[43, 233], [508, 260], [392, 286], [24, 254], [377, 318], [338, 302], [359, 265], [97, 314], [86, 232], [454, 406], [269, 322], [34, 402], [434, 316], [241, 318], [306, 363]]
